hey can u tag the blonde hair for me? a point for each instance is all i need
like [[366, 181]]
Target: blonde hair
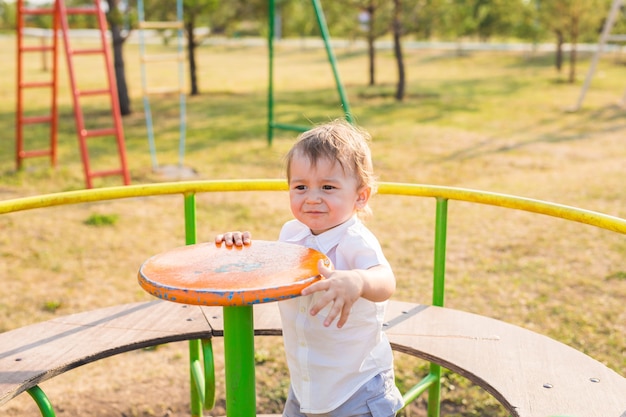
[[342, 142]]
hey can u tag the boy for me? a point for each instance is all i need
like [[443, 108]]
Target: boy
[[346, 369]]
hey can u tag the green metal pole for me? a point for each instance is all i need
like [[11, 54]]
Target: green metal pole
[[434, 391], [419, 388], [321, 21], [45, 407], [270, 89], [195, 388], [441, 225], [194, 345], [439, 278], [209, 374], [190, 219], [239, 361]]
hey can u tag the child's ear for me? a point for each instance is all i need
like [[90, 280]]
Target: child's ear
[[363, 196]]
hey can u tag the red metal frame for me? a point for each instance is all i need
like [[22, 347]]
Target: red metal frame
[[20, 149], [60, 12]]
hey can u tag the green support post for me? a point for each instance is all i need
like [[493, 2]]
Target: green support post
[[195, 390], [42, 401], [194, 345], [419, 388], [441, 225], [239, 361], [190, 219]]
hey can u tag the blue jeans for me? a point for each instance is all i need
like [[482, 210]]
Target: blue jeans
[[379, 397]]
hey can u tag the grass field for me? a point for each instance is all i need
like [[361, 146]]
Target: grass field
[[493, 121]]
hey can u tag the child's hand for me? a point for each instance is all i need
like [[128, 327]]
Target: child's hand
[[342, 290], [234, 238]]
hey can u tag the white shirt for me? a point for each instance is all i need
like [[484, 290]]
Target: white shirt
[[327, 365]]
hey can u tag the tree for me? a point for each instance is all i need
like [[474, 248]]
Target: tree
[[7, 15], [115, 19], [495, 17], [297, 18], [368, 19], [397, 48], [527, 25], [193, 11], [228, 16], [461, 19], [423, 18], [457, 20], [377, 26], [573, 20]]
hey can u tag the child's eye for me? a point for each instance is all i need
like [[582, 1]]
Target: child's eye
[[300, 187], [328, 187]]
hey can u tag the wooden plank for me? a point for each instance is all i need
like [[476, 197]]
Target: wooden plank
[[35, 353], [530, 374]]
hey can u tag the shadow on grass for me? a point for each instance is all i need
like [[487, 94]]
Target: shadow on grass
[[566, 128]]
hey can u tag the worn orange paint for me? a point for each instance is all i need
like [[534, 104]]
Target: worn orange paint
[[217, 275]]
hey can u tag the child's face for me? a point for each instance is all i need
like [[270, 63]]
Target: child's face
[[323, 196]]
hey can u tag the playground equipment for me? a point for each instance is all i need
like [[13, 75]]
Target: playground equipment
[[165, 59], [59, 15], [605, 37], [272, 124], [323, 27], [530, 374]]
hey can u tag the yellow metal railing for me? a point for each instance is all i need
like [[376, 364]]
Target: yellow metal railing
[[604, 221]]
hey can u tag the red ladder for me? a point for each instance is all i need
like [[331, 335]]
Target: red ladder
[[23, 86], [61, 22]]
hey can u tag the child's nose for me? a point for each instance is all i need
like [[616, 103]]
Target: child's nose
[[313, 196]]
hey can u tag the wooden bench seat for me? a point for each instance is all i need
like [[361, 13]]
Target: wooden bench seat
[[32, 354], [530, 374]]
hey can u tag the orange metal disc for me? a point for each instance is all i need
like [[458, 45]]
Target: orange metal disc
[[217, 275]]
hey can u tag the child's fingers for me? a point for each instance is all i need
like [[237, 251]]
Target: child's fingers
[[234, 238], [324, 267]]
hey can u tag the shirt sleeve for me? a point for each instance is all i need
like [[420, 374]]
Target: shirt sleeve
[[359, 249]]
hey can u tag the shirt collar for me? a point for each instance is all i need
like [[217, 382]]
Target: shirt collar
[[326, 241]]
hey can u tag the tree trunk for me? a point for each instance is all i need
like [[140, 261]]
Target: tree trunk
[[559, 51], [371, 38], [572, 54], [397, 47], [191, 51], [118, 62]]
